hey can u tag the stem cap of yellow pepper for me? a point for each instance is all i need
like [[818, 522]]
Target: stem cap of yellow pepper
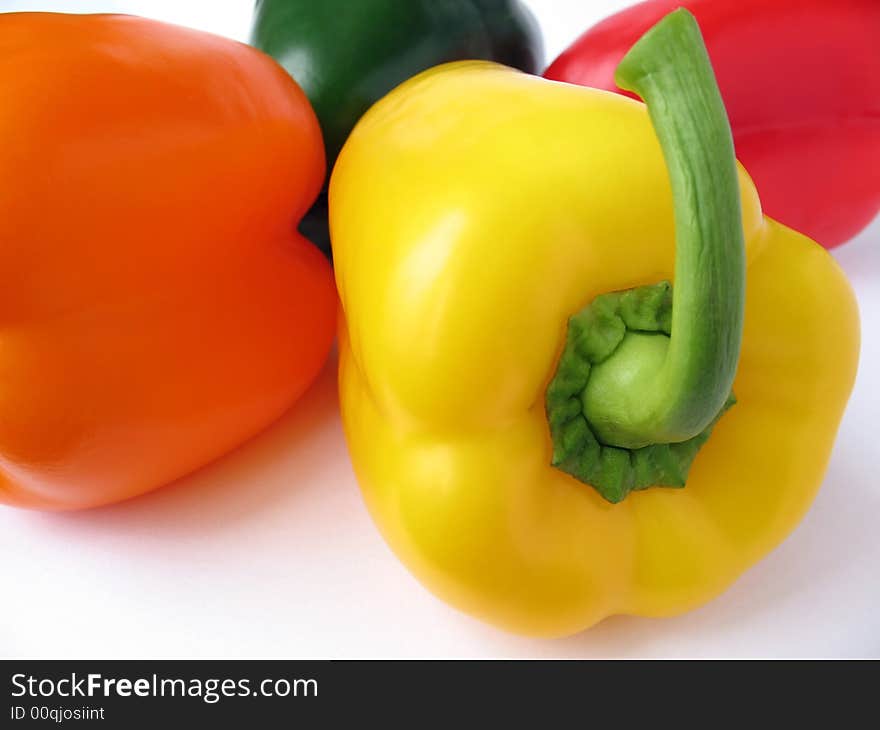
[[645, 374]]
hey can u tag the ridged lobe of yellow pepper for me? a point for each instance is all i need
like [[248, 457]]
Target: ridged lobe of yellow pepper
[[473, 210]]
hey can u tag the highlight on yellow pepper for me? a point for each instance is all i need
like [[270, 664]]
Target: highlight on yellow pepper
[[546, 430]]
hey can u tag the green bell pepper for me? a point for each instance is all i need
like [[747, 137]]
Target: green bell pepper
[[347, 55]]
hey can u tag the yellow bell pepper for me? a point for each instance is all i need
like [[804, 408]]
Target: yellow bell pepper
[[508, 428]]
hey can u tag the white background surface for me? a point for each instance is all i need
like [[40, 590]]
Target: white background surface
[[270, 552]]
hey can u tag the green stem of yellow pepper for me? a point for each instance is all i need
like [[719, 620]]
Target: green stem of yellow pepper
[[646, 373]]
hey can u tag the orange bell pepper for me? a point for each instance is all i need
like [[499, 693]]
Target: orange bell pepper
[[158, 306]]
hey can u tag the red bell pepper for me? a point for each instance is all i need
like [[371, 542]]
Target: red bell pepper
[[801, 82]]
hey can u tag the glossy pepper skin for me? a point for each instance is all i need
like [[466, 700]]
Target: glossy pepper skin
[[158, 306], [474, 210], [347, 55], [801, 83]]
